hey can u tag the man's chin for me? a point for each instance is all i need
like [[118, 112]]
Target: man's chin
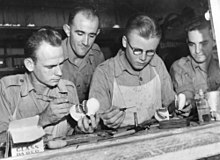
[[138, 68], [52, 85], [82, 53], [200, 60]]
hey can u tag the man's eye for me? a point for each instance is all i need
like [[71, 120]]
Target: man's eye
[[137, 51], [50, 67], [190, 44], [92, 35], [204, 43], [79, 33]]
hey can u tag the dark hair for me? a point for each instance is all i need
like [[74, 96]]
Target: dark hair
[[197, 23], [46, 34], [88, 10], [145, 25]]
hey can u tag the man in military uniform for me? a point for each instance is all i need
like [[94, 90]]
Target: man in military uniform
[[82, 55], [41, 91]]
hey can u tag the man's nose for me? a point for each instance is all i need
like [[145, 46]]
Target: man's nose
[[58, 70], [86, 40], [198, 49], [143, 56]]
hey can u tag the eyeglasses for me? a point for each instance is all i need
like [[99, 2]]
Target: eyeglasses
[[137, 51]]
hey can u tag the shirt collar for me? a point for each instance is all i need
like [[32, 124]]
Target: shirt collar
[[122, 64], [196, 65], [70, 54], [27, 86]]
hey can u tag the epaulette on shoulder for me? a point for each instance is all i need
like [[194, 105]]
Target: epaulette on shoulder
[[68, 83], [182, 61], [106, 63], [13, 80], [96, 47]]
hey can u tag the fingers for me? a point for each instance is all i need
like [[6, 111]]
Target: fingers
[[94, 121], [59, 108], [87, 125], [60, 100], [118, 122], [111, 113], [113, 118]]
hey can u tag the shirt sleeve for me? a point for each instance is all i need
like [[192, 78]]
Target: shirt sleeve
[[5, 110], [72, 94], [182, 81], [167, 92], [100, 89]]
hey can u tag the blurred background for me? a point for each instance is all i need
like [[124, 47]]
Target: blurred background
[[19, 18]]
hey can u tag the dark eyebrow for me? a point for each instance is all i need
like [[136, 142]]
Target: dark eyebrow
[[189, 42], [93, 33], [79, 31], [204, 41], [53, 65]]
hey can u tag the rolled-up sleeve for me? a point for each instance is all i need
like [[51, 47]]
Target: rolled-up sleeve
[[100, 89], [181, 79]]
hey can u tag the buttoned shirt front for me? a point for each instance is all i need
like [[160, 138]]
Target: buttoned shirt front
[[17, 91], [117, 67], [81, 74]]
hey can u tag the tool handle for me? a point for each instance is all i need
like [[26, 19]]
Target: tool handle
[[132, 131]]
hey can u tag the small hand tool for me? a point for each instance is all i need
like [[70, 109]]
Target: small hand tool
[[125, 108]]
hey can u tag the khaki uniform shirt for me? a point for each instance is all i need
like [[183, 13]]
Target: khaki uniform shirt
[[81, 75], [17, 90], [188, 77], [117, 67]]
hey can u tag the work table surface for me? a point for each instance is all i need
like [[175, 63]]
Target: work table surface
[[192, 142]]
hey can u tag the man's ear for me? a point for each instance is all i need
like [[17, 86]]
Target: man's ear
[[124, 41], [98, 31], [29, 64], [66, 29], [212, 33]]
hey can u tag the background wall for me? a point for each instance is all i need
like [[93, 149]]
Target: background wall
[[19, 18]]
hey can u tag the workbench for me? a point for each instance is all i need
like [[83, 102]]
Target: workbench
[[194, 142]]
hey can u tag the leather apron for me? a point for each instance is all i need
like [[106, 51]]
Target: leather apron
[[146, 98]]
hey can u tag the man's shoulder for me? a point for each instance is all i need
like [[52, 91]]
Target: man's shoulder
[[181, 63], [13, 80], [157, 59], [96, 50], [67, 83], [106, 65]]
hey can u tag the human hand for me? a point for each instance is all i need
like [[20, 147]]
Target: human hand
[[57, 109], [88, 124], [113, 117]]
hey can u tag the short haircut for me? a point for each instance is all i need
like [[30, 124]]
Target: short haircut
[[46, 34], [87, 10], [146, 26], [197, 23]]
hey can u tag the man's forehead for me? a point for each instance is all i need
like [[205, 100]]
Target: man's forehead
[[84, 16], [47, 51], [199, 35]]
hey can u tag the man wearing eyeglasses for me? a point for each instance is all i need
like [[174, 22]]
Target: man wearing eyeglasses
[[136, 79]]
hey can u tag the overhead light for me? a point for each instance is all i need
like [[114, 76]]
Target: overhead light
[[207, 15], [116, 26]]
